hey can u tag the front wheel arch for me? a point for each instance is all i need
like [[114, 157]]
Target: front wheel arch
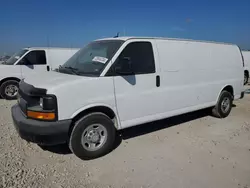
[[97, 108], [9, 78]]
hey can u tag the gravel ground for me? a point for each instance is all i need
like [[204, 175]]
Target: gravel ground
[[193, 150]]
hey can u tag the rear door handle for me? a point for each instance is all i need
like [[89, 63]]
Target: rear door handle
[[48, 68], [158, 81]]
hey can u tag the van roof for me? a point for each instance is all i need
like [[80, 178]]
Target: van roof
[[125, 38], [47, 48]]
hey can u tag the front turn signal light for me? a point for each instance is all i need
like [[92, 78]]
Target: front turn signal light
[[41, 115]]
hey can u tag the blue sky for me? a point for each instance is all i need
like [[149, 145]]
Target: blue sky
[[75, 23]]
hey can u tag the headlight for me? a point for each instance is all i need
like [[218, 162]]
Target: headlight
[[47, 109], [48, 103]]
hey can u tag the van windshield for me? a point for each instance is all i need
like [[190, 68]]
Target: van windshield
[[12, 60], [92, 59]]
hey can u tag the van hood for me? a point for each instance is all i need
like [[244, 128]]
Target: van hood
[[52, 80]]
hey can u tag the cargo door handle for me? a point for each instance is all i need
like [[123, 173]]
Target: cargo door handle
[[48, 68], [158, 81]]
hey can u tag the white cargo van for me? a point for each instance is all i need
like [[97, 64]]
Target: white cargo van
[[30, 61], [115, 83], [246, 56]]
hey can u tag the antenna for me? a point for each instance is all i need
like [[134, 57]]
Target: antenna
[[117, 35]]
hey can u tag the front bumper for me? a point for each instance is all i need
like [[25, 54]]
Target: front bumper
[[40, 132]]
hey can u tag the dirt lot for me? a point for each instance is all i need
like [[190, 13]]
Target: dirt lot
[[193, 150]]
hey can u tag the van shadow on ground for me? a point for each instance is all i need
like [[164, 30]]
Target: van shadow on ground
[[141, 129]]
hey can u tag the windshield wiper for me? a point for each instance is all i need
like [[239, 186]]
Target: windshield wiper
[[72, 69], [77, 71]]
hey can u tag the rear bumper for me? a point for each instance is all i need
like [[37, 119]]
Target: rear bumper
[[40, 132]]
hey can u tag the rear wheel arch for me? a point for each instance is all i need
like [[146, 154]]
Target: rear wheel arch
[[226, 91], [224, 104], [228, 88], [246, 73], [246, 76]]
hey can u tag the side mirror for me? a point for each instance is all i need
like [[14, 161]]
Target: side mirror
[[124, 66]]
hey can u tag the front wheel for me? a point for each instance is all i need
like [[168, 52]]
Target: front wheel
[[92, 136], [9, 90], [224, 105]]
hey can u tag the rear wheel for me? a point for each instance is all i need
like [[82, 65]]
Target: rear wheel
[[224, 105], [9, 89], [92, 136]]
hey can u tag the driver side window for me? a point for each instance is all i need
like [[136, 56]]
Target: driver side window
[[140, 56], [34, 58]]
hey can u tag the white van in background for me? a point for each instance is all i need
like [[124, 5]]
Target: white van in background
[[4, 58], [115, 83], [246, 56], [29, 61]]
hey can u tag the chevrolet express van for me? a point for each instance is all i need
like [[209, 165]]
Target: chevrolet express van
[[246, 56], [30, 61], [115, 83]]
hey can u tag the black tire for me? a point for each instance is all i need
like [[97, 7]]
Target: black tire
[[218, 109], [245, 79], [3, 87], [75, 141]]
